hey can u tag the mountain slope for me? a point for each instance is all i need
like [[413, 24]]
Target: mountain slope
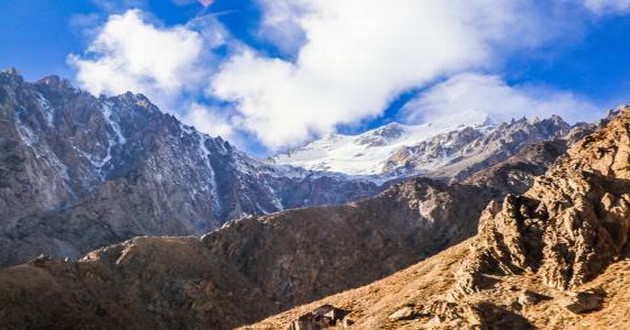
[[554, 257], [96, 171], [249, 269]]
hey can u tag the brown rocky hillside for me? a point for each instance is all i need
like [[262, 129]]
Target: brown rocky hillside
[[555, 257]]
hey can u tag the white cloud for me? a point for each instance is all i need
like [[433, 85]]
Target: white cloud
[[280, 24], [209, 121], [608, 6], [131, 55], [358, 55], [348, 60], [466, 93]]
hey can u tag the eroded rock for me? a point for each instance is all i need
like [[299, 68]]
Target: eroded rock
[[569, 226], [404, 313], [583, 302]]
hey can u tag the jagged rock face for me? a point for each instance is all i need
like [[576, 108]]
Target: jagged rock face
[[79, 172], [460, 153], [432, 149], [516, 174], [249, 269], [570, 225], [434, 152]]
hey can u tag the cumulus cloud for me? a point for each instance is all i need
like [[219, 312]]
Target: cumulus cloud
[[281, 24], [209, 121], [489, 94], [358, 55], [608, 6], [347, 60], [129, 54]]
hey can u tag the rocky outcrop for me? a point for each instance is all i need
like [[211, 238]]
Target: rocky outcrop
[[571, 225], [583, 302], [461, 153]]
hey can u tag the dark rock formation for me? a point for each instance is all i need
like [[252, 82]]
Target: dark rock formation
[[300, 255]]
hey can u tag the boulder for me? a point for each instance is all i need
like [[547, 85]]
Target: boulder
[[583, 302], [404, 313]]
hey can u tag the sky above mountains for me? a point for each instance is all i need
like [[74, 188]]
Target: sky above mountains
[[270, 74]]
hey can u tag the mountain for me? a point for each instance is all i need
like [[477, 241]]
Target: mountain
[[443, 150], [259, 265], [97, 171], [516, 174], [553, 257], [247, 270], [363, 154], [79, 172]]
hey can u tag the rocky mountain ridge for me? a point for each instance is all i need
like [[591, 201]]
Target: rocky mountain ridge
[[442, 150], [250, 268], [96, 171], [246, 270], [553, 257]]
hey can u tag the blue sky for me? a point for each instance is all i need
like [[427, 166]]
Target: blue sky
[[273, 74]]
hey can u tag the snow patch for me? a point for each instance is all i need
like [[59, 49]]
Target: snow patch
[[95, 161], [26, 133], [109, 114], [49, 111], [205, 154], [366, 154]]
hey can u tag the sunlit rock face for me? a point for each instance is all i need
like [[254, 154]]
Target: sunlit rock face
[[79, 172]]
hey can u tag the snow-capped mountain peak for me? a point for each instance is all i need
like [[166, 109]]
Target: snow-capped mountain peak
[[396, 150], [366, 153]]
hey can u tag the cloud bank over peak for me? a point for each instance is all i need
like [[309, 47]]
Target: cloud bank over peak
[[472, 92], [338, 63], [131, 55], [358, 56]]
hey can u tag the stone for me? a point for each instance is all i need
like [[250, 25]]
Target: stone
[[583, 302], [569, 226], [404, 313]]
